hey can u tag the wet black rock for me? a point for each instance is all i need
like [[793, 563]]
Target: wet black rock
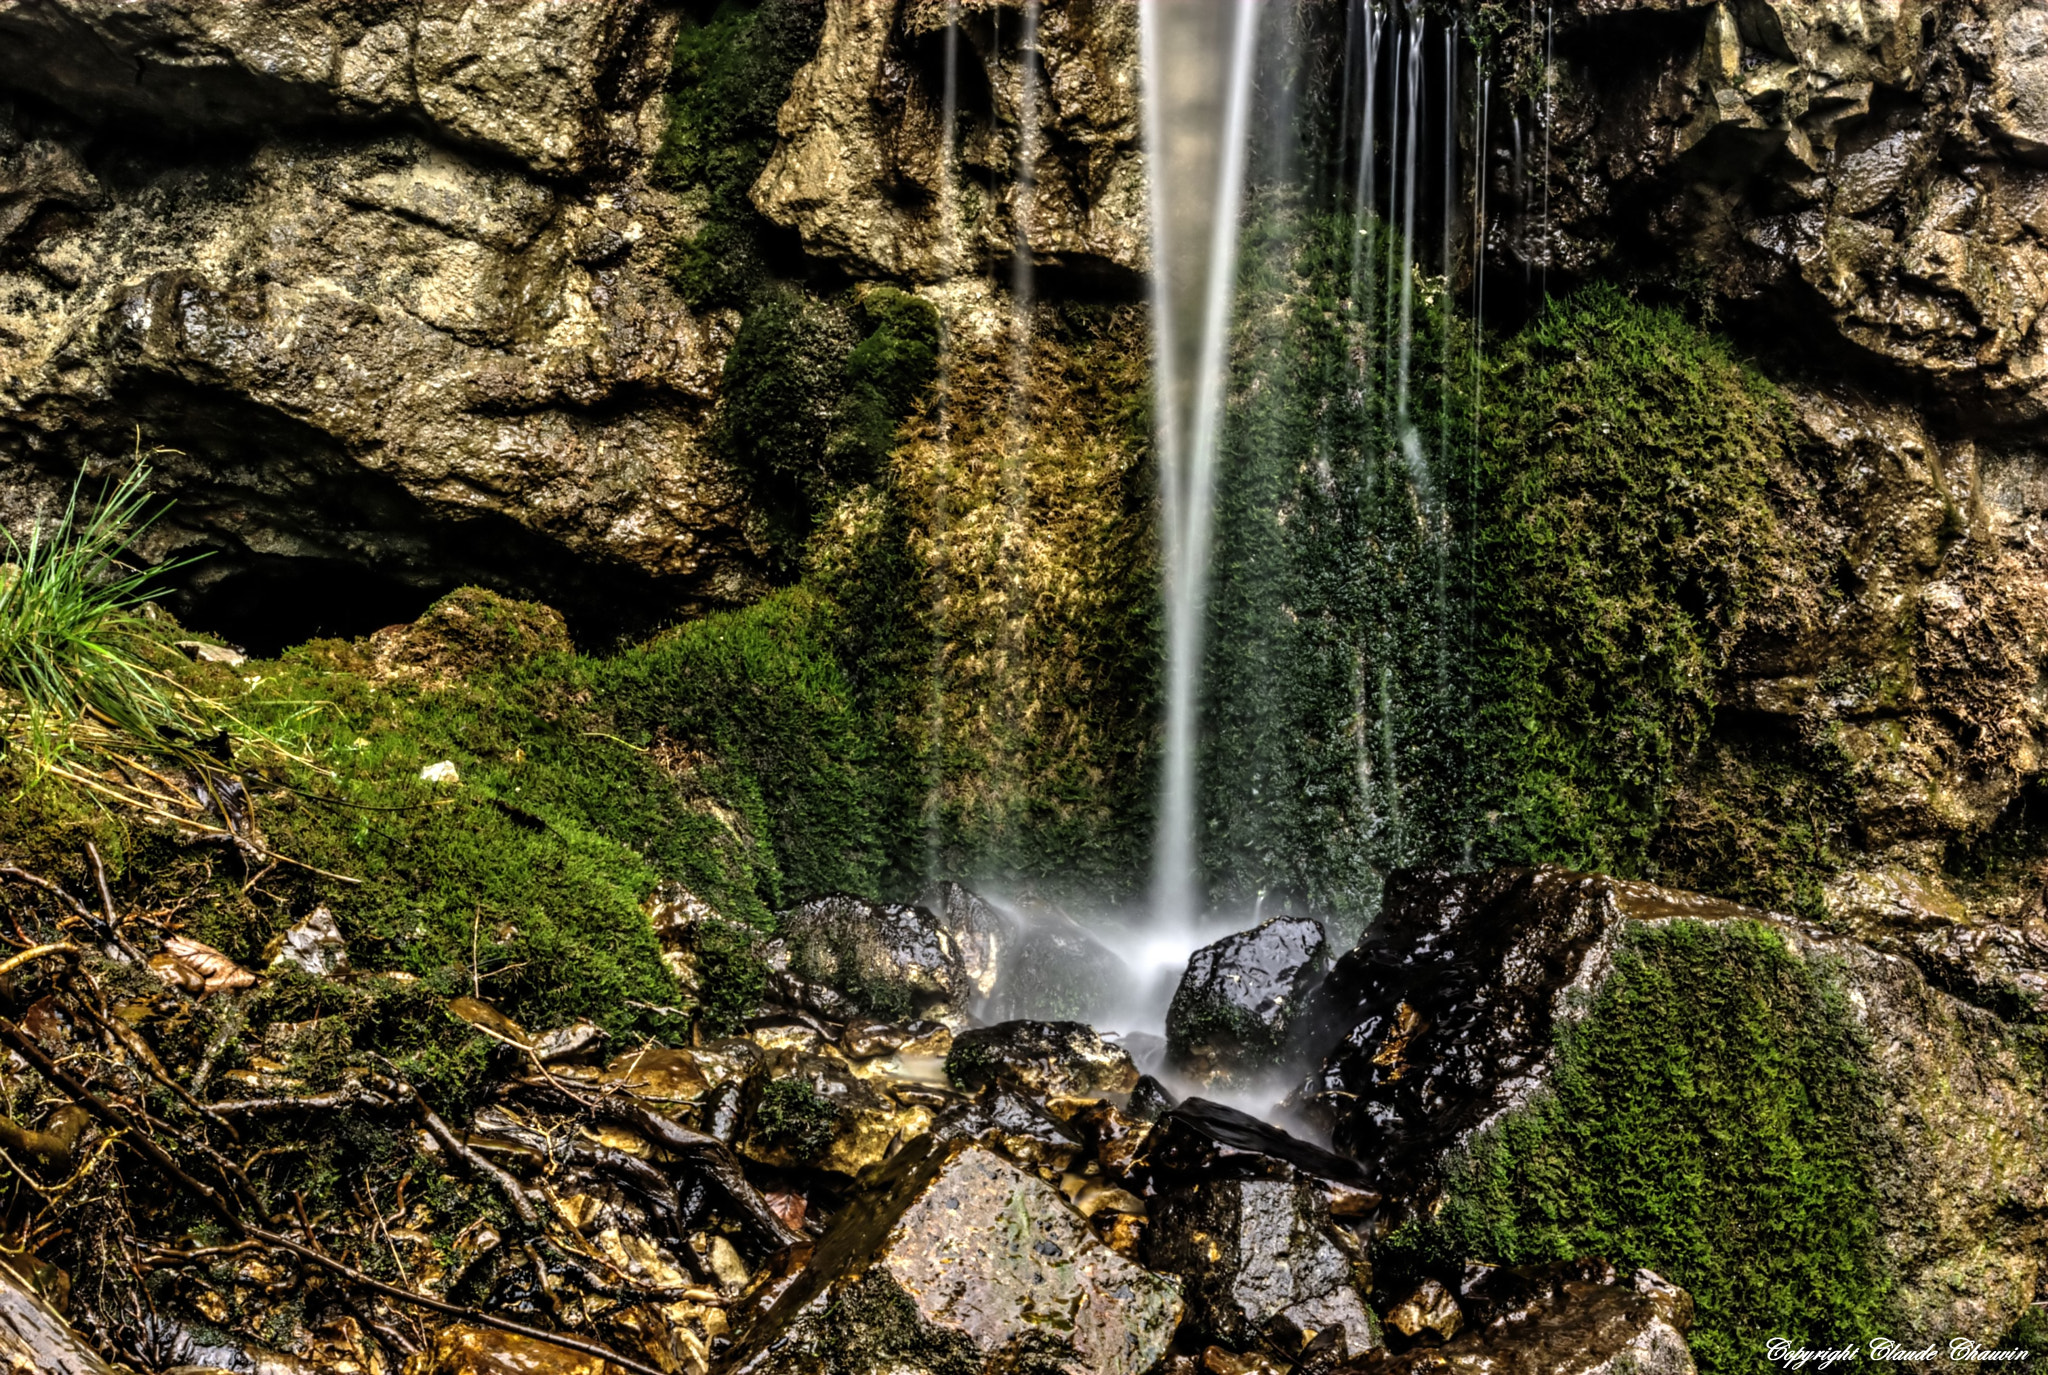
[[1150, 1098], [1445, 1014], [1201, 1140], [888, 960], [1576, 1318], [1230, 1014], [1013, 1124], [1045, 1058], [1262, 1263], [978, 930]]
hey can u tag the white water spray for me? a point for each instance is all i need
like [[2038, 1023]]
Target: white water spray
[[1198, 58]]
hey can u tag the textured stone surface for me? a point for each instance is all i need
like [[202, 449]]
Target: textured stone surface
[[1230, 1014], [1261, 1263], [962, 1262], [1445, 1016], [1045, 148], [891, 959], [1044, 1058], [34, 1340], [437, 354]]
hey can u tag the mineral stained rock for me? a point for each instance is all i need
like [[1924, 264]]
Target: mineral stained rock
[[1447, 1017], [861, 170], [1262, 1264], [1230, 1014], [1045, 1058], [959, 1261]]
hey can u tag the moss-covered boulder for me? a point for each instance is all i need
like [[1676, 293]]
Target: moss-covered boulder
[[1230, 1014], [1800, 1130]]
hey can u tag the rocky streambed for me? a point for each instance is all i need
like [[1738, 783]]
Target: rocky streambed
[[866, 1177]]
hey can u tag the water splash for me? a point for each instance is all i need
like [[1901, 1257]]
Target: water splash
[[1197, 59]]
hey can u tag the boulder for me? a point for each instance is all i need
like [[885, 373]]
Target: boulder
[[1044, 1058], [816, 1111], [1054, 969], [1578, 1318], [977, 929], [1230, 1014], [886, 959], [961, 1261], [1444, 1041], [1012, 1124], [1200, 1140], [1262, 1264]]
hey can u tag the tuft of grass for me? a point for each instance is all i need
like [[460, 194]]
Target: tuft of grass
[[73, 642]]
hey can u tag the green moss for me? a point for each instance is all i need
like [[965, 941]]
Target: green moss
[[1621, 528], [1712, 1118], [731, 74], [732, 976], [815, 391], [794, 1116]]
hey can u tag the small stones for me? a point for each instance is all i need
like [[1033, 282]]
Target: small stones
[[1428, 1312], [1045, 1058], [313, 945], [199, 652]]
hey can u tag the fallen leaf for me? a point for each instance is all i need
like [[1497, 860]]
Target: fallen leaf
[[216, 971]]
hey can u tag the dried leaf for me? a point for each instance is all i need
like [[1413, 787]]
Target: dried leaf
[[216, 971]]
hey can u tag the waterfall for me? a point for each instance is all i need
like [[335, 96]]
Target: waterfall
[[1197, 60]]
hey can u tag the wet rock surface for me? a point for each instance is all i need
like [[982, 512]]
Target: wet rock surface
[[1570, 1319], [887, 959], [1045, 1058], [962, 1261], [1263, 1265], [35, 1339], [1230, 1014]]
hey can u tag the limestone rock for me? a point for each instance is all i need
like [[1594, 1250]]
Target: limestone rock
[[1229, 1016], [313, 944], [961, 1261], [372, 350], [34, 1340], [1044, 1058], [1262, 1264], [1046, 146]]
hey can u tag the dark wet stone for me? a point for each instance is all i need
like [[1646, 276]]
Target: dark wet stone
[[1230, 1015], [1262, 1264], [864, 1039], [1446, 1013], [1045, 1058], [1575, 1318], [1150, 1098], [1201, 1140], [1113, 1138], [1056, 970], [1011, 1123], [889, 960], [957, 1260]]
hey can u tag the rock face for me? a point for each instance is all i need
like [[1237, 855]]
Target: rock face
[[392, 284], [1044, 153], [1448, 1018], [963, 1262], [1230, 1014], [1262, 1264]]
